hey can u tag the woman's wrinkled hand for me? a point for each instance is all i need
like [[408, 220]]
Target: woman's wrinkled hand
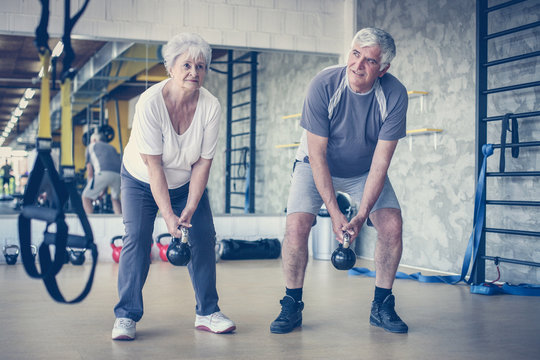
[[173, 226], [185, 217]]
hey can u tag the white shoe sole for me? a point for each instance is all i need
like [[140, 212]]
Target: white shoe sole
[[206, 328], [123, 337]]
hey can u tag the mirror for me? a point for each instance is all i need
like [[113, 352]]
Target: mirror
[[111, 76]]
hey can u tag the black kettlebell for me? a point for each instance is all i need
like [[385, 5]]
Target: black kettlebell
[[76, 257], [344, 258], [11, 258], [179, 252]]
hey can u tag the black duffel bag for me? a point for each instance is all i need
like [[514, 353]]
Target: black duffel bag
[[230, 249]]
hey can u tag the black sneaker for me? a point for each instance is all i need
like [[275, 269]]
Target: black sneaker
[[384, 315], [290, 316]]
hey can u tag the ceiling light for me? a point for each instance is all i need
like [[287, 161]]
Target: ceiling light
[[18, 112], [23, 103], [29, 93], [58, 49], [5, 134], [13, 120], [10, 126]]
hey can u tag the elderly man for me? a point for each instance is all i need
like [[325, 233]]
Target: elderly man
[[353, 117], [103, 171]]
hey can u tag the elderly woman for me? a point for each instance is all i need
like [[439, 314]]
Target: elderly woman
[[165, 167]]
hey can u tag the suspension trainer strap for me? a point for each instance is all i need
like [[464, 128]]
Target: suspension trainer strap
[[85, 241], [515, 138], [505, 126], [42, 36], [43, 174], [69, 23]]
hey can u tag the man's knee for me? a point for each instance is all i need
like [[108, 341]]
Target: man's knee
[[388, 223], [298, 227]]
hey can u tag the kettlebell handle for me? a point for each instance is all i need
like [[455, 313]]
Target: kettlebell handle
[[13, 246], [184, 231], [346, 239]]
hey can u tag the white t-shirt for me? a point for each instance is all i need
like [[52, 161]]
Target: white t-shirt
[[153, 134]]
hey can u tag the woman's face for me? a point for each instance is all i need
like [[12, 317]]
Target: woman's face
[[189, 72]]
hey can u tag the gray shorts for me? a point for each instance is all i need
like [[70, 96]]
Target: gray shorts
[[100, 182], [304, 196]]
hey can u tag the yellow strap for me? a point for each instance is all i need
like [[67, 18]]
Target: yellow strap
[[67, 126], [44, 130]]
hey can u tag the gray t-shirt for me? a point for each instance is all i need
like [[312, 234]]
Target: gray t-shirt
[[352, 122], [103, 157]]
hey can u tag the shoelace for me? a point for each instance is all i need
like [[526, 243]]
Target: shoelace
[[286, 310], [125, 323], [391, 313], [219, 316]]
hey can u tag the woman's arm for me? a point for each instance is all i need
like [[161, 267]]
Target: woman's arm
[[199, 179], [160, 191]]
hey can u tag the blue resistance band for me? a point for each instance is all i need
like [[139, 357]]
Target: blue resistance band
[[471, 252]]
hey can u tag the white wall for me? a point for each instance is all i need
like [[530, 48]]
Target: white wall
[[297, 25]]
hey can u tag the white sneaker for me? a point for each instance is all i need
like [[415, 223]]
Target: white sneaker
[[124, 329], [217, 323]]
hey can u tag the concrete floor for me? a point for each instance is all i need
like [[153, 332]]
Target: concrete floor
[[445, 321]]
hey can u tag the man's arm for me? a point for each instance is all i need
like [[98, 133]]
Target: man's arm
[[374, 182], [89, 171], [317, 146]]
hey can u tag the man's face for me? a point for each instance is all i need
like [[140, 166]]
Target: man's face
[[363, 67]]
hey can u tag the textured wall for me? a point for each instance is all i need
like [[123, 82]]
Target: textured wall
[[436, 53]]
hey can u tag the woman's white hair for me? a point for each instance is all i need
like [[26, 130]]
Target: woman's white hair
[[190, 43], [373, 37]]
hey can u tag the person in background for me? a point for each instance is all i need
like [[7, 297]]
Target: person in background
[[102, 171], [166, 167], [6, 177], [353, 117]]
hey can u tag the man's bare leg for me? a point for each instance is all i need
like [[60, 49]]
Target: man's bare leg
[[117, 206], [294, 258], [389, 245], [87, 205], [295, 248], [388, 249]]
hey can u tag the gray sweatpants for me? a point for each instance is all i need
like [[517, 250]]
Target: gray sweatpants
[[139, 213]]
